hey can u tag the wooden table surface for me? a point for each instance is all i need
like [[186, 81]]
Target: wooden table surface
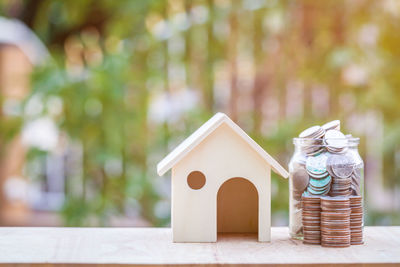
[[153, 246]]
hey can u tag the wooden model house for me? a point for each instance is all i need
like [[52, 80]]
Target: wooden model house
[[221, 182]]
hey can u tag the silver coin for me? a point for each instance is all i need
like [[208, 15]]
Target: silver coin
[[332, 125], [310, 150], [314, 192], [336, 150], [335, 139], [317, 150], [311, 132], [319, 189], [342, 166], [329, 169], [317, 164], [320, 183], [318, 176], [300, 179]]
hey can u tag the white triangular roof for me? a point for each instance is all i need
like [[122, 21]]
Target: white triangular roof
[[200, 134], [16, 33]]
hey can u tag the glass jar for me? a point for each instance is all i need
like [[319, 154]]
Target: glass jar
[[337, 172]]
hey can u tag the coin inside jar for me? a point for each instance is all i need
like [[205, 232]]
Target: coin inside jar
[[342, 166], [311, 219], [312, 142], [311, 132], [336, 141], [356, 220], [317, 165], [300, 179], [326, 164], [320, 182], [335, 222]]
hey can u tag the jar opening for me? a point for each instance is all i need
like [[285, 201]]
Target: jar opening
[[351, 141]]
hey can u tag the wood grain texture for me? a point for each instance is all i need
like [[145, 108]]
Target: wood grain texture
[[154, 246]]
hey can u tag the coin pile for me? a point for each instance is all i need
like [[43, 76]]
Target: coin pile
[[311, 218], [340, 187], [335, 222], [332, 125], [356, 220], [319, 181], [335, 141], [312, 140], [341, 168], [327, 164]]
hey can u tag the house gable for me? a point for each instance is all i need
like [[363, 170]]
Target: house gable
[[203, 132], [220, 156]]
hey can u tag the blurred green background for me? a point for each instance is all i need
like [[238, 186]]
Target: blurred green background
[[108, 88]]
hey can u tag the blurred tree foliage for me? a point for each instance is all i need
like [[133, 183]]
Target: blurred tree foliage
[[111, 58], [10, 127]]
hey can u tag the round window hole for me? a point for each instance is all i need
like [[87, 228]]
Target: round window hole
[[196, 180]]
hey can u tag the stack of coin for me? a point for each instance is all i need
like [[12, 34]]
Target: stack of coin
[[320, 181], [335, 222], [328, 165], [311, 218], [319, 186], [313, 140], [335, 141], [340, 187], [332, 125], [340, 167], [356, 220]]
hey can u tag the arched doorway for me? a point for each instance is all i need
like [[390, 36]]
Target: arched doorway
[[237, 207]]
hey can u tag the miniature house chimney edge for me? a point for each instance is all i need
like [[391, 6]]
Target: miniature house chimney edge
[[206, 129]]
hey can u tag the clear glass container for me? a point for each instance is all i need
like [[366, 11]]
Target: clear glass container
[[311, 161]]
